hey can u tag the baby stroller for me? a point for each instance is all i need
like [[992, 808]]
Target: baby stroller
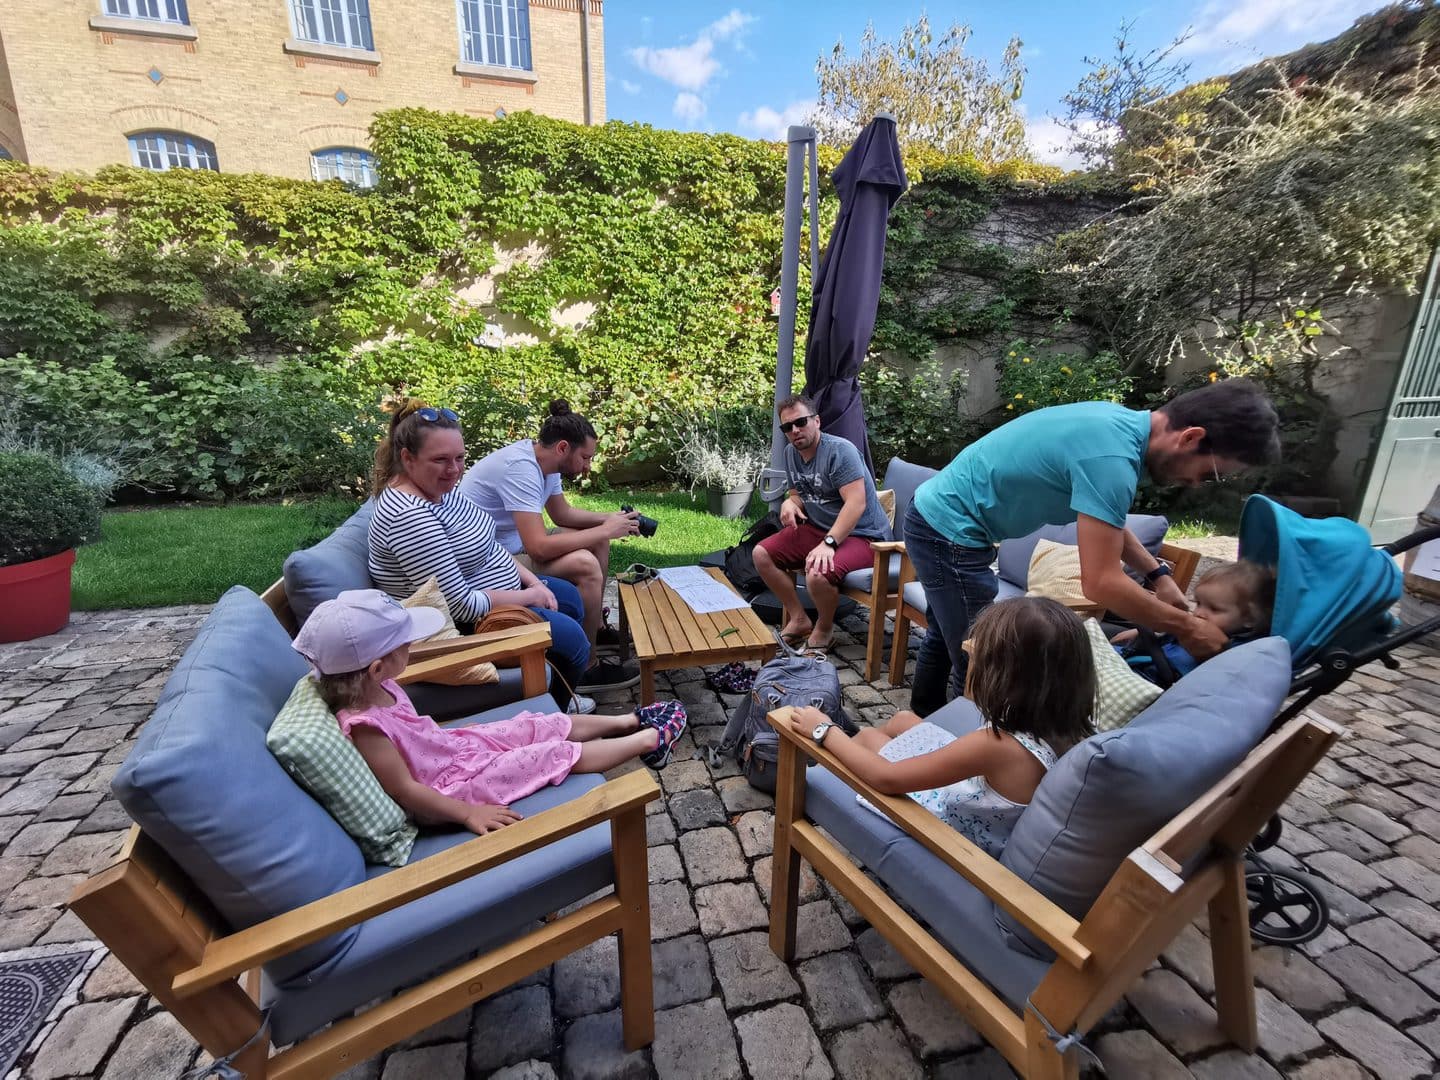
[[1333, 595]]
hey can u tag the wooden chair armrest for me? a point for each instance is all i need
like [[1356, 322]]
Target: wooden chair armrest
[[887, 547], [1041, 916], [227, 957], [1183, 562], [430, 659]]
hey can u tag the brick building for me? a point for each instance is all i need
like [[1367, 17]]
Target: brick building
[[278, 86]]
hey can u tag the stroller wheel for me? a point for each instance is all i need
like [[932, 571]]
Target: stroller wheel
[[1267, 837], [1286, 908]]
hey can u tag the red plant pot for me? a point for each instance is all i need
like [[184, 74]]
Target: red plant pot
[[35, 597]]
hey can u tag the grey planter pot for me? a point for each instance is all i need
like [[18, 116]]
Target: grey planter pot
[[729, 504]]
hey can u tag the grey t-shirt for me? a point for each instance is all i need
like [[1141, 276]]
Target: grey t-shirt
[[835, 464]]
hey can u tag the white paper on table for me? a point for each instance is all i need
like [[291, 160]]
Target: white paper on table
[[701, 593], [1427, 561]]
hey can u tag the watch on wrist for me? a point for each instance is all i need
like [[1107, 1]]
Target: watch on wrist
[[831, 542], [1163, 570], [819, 733]]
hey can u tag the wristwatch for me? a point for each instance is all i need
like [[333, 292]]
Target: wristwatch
[[1163, 570], [819, 733], [831, 542]]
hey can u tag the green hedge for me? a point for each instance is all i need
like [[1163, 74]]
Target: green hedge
[[238, 333]]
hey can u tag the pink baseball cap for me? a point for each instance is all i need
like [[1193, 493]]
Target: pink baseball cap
[[360, 626]]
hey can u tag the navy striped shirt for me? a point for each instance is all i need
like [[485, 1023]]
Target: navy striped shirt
[[413, 540]]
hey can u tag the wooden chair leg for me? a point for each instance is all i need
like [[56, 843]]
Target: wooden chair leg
[[875, 640], [1230, 956], [1043, 1061], [785, 884], [632, 888], [899, 643]]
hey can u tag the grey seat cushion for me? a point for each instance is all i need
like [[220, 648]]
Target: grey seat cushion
[[958, 913], [861, 579], [404, 946], [1112, 792], [903, 477], [1013, 559], [202, 783], [341, 561]]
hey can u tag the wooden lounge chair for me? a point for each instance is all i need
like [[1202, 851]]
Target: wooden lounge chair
[[1033, 948]]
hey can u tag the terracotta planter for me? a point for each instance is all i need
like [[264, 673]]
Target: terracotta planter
[[35, 597]]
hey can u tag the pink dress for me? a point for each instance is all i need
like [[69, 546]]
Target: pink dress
[[481, 764]]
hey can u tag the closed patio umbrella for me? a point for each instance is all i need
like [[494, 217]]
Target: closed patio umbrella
[[868, 181]]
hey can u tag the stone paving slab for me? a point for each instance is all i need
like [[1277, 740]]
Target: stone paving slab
[[1361, 1001]]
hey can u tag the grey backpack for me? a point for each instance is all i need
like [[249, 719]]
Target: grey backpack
[[794, 679]]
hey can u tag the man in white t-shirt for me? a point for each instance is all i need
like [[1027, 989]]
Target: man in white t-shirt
[[518, 485]]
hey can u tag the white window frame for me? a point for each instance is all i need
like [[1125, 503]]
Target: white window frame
[[344, 24], [172, 150], [161, 11], [329, 163], [504, 46]]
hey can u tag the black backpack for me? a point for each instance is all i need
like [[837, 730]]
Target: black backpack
[[740, 559], [792, 678]]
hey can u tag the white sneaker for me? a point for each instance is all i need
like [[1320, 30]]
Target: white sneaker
[[581, 705]]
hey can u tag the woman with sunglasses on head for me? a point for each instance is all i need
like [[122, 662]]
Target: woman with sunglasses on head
[[423, 528]]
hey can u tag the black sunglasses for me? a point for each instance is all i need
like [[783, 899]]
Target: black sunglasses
[[431, 416], [800, 421]]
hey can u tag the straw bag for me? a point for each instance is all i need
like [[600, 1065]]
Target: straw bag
[[507, 617]]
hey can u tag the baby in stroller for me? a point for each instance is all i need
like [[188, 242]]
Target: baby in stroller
[[1237, 597]]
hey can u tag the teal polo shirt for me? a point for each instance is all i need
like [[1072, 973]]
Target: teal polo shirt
[[1043, 468]]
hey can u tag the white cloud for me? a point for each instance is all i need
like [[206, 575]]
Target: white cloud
[[691, 67], [689, 107], [1049, 138], [767, 123], [629, 87], [1245, 30]]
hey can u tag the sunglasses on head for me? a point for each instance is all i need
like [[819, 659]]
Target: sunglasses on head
[[431, 416], [786, 426]]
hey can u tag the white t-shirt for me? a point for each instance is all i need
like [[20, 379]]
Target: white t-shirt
[[506, 481]]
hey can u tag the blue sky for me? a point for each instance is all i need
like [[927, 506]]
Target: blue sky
[[750, 69]]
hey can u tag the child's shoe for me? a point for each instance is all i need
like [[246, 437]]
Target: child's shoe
[[733, 678], [668, 718]]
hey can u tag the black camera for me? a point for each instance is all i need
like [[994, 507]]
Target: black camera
[[648, 525]]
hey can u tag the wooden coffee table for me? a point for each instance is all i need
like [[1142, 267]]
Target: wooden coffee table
[[669, 635]]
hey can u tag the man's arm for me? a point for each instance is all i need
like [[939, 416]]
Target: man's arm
[[1103, 580], [543, 546], [1142, 562], [854, 495]]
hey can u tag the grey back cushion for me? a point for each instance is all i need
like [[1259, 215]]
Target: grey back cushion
[[202, 783], [341, 561], [1013, 558], [903, 478], [1112, 792]]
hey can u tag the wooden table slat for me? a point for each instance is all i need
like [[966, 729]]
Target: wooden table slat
[[668, 634], [650, 594]]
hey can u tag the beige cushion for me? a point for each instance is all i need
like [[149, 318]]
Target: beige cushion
[[1055, 573], [1122, 694], [429, 595], [887, 503]]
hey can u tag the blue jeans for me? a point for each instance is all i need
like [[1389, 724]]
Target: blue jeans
[[569, 650], [959, 584]]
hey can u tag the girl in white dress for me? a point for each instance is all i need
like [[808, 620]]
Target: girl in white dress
[[1032, 677]]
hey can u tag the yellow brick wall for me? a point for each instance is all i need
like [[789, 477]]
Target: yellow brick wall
[[9, 116], [78, 92]]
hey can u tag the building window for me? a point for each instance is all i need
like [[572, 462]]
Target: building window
[[162, 150], [495, 32], [334, 22], [171, 11], [348, 163]]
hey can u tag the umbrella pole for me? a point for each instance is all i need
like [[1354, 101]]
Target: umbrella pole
[[801, 141]]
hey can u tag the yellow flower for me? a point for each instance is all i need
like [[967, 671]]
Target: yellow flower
[[1012, 354], [1300, 313], [1026, 360], [1019, 397], [1010, 406], [1066, 370], [1214, 376]]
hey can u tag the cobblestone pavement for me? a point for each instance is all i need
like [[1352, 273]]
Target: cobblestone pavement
[[1363, 999]]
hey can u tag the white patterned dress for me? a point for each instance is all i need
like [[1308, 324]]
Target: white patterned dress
[[970, 806]]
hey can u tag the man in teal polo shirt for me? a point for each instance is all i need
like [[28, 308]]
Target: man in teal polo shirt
[[1076, 463]]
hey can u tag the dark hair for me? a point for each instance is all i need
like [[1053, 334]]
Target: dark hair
[[1031, 669], [342, 691], [1254, 587], [793, 400], [562, 424], [407, 432], [1239, 421]]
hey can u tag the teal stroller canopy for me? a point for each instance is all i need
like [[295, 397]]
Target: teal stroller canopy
[[1332, 588]]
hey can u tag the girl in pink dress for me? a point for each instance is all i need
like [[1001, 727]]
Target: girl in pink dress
[[360, 641]]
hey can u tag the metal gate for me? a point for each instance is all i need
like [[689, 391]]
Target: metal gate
[[1407, 460]]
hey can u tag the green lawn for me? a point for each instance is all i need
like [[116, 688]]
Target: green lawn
[[190, 555]]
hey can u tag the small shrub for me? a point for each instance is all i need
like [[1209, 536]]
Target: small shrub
[[1031, 378], [47, 510], [723, 448], [915, 415]]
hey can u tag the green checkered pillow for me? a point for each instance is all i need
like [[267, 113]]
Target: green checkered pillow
[[1123, 694], [307, 740]]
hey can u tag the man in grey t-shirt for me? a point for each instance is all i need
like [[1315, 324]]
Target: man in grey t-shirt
[[827, 522]]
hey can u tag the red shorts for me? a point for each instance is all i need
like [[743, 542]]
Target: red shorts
[[789, 547]]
